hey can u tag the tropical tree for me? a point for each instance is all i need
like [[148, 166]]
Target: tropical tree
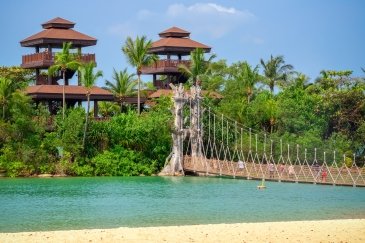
[[20, 76], [198, 68], [88, 80], [64, 61], [275, 71], [108, 109], [299, 81], [123, 87], [7, 88], [247, 76], [334, 80], [137, 55], [218, 74]]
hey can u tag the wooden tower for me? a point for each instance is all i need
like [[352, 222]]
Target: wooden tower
[[173, 48], [47, 88]]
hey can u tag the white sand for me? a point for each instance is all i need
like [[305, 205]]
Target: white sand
[[352, 230]]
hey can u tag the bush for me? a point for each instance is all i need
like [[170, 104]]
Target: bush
[[17, 168], [123, 162]]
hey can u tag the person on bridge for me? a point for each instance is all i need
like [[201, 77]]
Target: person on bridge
[[241, 165], [316, 169], [324, 175], [291, 171], [281, 168]]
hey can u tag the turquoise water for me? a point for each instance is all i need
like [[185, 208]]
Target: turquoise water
[[36, 204]]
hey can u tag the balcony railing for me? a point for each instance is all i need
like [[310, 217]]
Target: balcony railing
[[165, 65], [45, 59]]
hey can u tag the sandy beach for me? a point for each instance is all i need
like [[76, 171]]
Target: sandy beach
[[351, 230]]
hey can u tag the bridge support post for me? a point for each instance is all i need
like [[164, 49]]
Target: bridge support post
[[195, 115], [195, 131], [174, 166]]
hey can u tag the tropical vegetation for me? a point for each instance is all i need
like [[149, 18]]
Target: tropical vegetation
[[272, 97], [137, 55]]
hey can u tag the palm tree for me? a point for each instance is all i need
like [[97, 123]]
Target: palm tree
[[299, 81], [247, 76], [108, 109], [7, 88], [64, 61], [276, 71], [88, 80], [124, 85], [138, 56], [199, 67]]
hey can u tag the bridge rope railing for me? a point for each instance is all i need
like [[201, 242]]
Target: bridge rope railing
[[229, 148]]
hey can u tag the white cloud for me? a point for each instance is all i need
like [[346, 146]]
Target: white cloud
[[214, 19], [206, 8], [211, 19]]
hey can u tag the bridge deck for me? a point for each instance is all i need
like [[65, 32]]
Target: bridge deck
[[343, 176]]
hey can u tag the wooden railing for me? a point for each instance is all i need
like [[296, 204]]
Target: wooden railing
[[47, 59], [37, 57], [165, 63]]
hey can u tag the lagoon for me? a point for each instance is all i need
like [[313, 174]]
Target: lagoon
[[43, 204]]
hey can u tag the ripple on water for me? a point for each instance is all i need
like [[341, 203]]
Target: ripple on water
[[34, 204]]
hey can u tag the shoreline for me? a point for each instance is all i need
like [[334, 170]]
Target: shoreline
[[344, 230]]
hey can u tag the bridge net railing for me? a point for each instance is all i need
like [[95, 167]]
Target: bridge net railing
[[228, 148]]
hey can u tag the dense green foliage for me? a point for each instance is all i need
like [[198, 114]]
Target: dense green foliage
[[272, 98]]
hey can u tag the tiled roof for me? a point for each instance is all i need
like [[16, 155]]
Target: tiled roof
[[169, 92], [175, 30], [64, 34], [56, 31], [69, 89], [179, 42], [59, 20]]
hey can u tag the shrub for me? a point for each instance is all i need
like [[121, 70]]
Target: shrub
[[123, 162]]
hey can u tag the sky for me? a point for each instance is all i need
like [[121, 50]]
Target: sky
[[312, 35]]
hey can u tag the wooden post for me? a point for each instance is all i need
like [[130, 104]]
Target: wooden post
[[50, 53], [96, 108], [175, 164], [78, 71]]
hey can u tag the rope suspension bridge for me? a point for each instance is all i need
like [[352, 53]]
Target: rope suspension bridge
[[211, 144]]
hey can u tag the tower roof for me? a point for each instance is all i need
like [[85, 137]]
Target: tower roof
[[56, 31], [174, 32], [176, 40], [58, 23]]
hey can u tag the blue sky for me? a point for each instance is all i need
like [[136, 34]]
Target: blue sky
[[312, 35]]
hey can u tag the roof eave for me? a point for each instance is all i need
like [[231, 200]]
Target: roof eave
[[44, 41], [176, 49]]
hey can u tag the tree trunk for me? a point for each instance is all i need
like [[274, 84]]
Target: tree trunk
[[271, 124], [86, 120], [63, 94], [249, 94], [138, 95], [272, 84]]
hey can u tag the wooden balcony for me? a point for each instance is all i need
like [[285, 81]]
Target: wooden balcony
[[164, 66], [45, 59]]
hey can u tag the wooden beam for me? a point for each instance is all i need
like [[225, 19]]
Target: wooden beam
[[96, 108]]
